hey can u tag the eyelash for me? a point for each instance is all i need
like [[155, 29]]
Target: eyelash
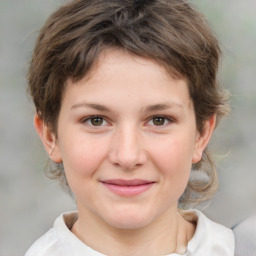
[[90, 118], [167, 120]]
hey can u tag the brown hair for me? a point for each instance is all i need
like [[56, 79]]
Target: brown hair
[[170, 32]]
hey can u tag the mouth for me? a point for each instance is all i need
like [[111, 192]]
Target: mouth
[[127, 187]]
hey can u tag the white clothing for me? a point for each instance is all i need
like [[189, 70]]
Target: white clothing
[[210, 239], [245, 237]]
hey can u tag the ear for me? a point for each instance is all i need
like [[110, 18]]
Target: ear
[[203, 139], [48, 139]]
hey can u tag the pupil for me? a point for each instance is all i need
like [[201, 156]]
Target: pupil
[[97, 121], [158, 120]]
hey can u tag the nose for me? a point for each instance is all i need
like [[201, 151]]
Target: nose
[[127, 149]]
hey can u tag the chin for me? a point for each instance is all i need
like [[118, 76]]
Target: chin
[[129, 220], [129, 224]]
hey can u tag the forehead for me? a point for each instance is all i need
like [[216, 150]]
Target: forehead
[[117, 73], [111, 60]]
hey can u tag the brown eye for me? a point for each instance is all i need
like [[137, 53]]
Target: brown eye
[[97, 121], [158, 121]]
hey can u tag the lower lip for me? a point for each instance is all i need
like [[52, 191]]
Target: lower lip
[[128, 190]]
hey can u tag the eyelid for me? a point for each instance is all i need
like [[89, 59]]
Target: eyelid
[[168, 118], [88, 118]]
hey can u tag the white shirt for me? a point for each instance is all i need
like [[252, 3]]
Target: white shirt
[[245, 237], [210, 239]]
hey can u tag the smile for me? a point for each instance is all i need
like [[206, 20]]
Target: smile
[[127, 187]]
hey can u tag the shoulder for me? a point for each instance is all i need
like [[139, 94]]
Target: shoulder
[[51, 243], [245, 237], [44, 245], [60, 241], [210, 238], [54, 242]]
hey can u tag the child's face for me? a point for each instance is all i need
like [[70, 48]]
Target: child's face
[[127, 137]]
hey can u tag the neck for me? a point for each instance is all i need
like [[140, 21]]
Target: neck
[[170, 233]]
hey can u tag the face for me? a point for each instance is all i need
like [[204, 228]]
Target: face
[[127, 137]]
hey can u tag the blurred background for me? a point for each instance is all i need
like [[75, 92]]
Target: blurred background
[[29, 202]]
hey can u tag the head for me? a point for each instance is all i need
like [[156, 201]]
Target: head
[[168, 32]]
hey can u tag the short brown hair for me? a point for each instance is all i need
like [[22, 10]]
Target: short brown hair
[[170, 32]]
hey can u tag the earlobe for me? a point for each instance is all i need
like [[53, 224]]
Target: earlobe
[[203, 139], [48, 139]]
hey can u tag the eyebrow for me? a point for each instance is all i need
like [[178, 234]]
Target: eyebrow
[[150, 108], [91, 105], [164, 106]]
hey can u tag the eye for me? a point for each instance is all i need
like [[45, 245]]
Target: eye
[[95, 121], [160, 121]]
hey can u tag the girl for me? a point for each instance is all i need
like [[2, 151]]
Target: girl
[[126, 102]]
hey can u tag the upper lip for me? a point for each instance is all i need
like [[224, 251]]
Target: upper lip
[[121, 182]]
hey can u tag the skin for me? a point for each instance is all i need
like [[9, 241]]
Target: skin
[[145, 128]]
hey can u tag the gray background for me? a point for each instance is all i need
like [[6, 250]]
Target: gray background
[[29, 202]]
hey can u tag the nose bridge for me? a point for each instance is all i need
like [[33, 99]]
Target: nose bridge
[[127, 150]]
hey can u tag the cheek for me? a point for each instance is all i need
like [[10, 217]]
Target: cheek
[[174, 161], [82, 157], [174, 156]]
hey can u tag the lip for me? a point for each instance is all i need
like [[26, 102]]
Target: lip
[[127, 187]]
